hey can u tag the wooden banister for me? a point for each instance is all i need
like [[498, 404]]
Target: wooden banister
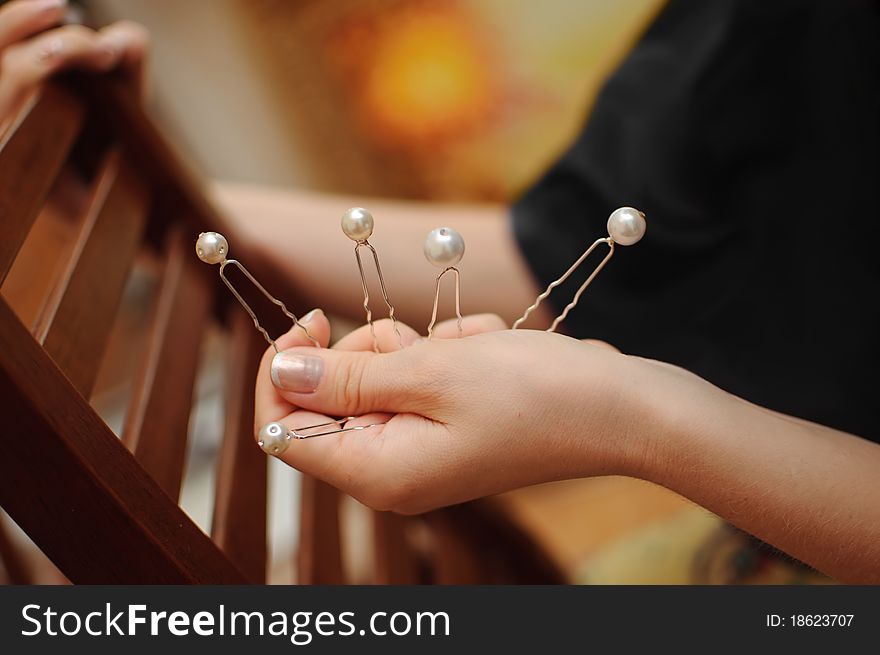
[[107, 515], [12, 559], [157, 421], [57, 455], [240, 512]]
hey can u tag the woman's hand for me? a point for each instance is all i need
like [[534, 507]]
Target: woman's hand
[[501, 409], [486, 413], [34, 46]]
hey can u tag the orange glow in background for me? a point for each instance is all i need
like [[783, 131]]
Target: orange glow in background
[[418, 75]]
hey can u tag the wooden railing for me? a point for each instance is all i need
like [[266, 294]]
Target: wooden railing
[[105, 509]]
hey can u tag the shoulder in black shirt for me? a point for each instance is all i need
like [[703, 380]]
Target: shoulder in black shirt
[[747, 131]]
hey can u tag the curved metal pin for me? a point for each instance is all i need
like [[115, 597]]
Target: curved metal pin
[[300, 433], [357, 225], [626, 226], [212, 248], [457, 275], [269, 296], [563, 278]]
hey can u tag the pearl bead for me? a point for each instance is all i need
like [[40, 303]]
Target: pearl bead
[[626, 226], [211, 247], [444, 247], [357, 223], [273, 438]]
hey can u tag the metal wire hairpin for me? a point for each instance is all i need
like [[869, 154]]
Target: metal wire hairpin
[[275, 437], [444, 248], [357, 224], [212, 248], [626, 226]]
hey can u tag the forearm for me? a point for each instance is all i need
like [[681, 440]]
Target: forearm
[[300, 233], [811, 491]]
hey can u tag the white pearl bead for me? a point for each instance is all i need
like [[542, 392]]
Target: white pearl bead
[[357, 223], [444, 247], [626, 226], [211, 247], [273, 438]]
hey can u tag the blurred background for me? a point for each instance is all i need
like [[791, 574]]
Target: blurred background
[[436, 99], [443, 100]]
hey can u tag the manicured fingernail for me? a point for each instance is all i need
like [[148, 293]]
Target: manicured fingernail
[[311, 315], [46, 5], [297, 373]]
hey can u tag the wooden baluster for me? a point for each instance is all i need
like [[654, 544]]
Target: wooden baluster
[[395, 561], [32, 151], [157, 421], [239, 525], [480, 543], [75, 322], [319, 559]]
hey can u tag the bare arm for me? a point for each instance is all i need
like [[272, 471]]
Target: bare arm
[[300, 232], [809, 490], [496, 411]]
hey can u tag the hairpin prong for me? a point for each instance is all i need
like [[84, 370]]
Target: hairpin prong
[[212, 248], [626, 226], [444, 248], [357, 224]]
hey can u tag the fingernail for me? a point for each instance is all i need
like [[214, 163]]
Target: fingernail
[[311, 315], [297, 373], [115, 44], [52, 50], [45, 5]]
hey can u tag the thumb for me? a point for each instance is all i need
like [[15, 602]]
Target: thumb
[[343, 383]]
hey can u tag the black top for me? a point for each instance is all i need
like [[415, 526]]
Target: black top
[[747, 131]]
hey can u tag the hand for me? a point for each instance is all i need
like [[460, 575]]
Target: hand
[[494, 411], [469, 417], [34, 46]]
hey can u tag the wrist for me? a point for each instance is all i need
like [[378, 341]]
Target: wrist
[[620, 421], [673, 413]]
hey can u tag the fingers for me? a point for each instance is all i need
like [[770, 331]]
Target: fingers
[[21, 19], [386, 337], [372, 465], [470, 325], [30, 52], [26, 64], [340, 383], [269, 405], [132, 41], [601, 344], [360, 381]]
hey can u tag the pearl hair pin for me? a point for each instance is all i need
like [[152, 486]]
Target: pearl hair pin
[[275, 437], [444, 248], [626, 226], [357, 224], [212, 248]]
